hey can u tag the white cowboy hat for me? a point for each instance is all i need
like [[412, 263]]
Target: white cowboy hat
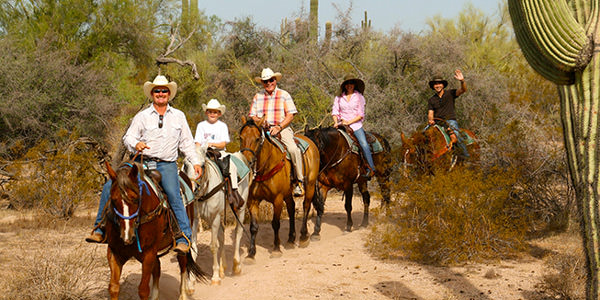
[[214, 104], [267, 74], [160, 81]]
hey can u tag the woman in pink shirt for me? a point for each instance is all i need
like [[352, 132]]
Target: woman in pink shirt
[[349, 109]]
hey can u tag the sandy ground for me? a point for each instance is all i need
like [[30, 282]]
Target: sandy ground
[[339, 267]]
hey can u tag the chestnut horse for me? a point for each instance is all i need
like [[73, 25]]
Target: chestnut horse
[[430, 150], [272, 182], [340, 169], [139, 227]]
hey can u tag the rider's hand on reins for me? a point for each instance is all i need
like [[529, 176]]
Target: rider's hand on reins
[[140, 146], [275, 130]]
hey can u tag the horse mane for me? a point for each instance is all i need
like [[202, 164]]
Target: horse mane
[[327, 134], [125, 183]]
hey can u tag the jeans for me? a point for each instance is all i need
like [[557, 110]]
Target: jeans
[[362, 140], [461, 143], [170, 183]]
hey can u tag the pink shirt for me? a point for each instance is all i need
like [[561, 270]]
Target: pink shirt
[[348, 110]]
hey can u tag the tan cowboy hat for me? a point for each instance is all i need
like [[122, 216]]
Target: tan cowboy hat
[[267, 74], [160, 81], [359, 85], [214, 104], [437, 79]]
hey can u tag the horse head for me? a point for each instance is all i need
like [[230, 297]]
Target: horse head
[[252, 136], [416, 152], [126, 196]]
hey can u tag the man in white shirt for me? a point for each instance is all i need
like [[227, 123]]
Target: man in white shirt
[[159, 132]]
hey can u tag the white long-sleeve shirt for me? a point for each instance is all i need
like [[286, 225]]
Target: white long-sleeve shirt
[[163, 142]]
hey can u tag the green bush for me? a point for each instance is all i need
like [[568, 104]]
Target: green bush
[[463, 215], [56, 177]]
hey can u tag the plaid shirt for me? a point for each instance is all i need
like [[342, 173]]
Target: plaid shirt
[[275, 106]]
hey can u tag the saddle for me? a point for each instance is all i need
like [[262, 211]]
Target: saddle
[[233, 197], [364, 165]]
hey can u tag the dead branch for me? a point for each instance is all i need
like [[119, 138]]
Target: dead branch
[[175, 42]]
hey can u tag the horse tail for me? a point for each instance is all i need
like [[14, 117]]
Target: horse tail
[[195, 269]]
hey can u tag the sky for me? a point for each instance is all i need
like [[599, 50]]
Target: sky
[[409, 15]]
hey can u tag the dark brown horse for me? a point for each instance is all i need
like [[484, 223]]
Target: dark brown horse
[[138, 227], [341, 168], [429, 150], [272, 182]]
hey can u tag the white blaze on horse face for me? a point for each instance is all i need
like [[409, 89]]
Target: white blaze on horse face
[[127, 222]]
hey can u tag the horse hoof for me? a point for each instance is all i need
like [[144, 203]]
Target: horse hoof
[[347, 230], [315, 237], [304, 244], [215, 282], [237, 271], [289, 246], [276, 254], [249, 261]]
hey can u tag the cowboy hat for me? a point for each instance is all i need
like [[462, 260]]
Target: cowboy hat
[[437, 79], [267, 74], [359, 85], [215, 105], [160, 80]]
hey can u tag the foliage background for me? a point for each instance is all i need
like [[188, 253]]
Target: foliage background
[[78, 66]]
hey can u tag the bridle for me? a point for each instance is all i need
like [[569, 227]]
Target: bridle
[[253, 163]]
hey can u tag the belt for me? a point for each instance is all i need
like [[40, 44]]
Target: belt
[[147, 158]]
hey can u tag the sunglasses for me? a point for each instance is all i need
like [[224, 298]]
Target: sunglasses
[[269, 80], [160, 121], [156, 91]]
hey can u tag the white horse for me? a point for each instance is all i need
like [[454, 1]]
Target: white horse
[[212, 210]]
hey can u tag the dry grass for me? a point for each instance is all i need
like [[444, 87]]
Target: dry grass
[[564, 274], [42, 260]]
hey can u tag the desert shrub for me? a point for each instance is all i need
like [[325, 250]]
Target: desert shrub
[[565, 275], [50, 274], [464, 215], [56, 177]]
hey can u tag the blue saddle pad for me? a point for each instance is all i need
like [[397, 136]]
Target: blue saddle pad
[[242, 169], [375, 146]]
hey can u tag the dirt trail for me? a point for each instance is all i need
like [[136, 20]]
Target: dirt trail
[[339, 267]]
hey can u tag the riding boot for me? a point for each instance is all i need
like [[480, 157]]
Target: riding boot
[[233, 196]]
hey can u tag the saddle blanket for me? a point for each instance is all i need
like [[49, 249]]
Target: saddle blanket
[[302, 145], [467, 139], [375, 145]]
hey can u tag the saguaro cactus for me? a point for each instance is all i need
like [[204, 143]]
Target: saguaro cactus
[[328, 30], [366, 23], [314, 20], [559, 39]]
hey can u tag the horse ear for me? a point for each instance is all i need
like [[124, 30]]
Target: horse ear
[[243, 119], [403, 137], [133, 174], [306, 128], [261, 121], [111, 173]]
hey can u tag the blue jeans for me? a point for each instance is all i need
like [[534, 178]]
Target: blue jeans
[[461, 143], [362, 140], [170, 183]]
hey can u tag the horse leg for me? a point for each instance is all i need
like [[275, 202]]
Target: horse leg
[[384, 186], [319, 204], [116, 266], [148, 266], [290, 205], [364, 191], [277, 207], [239, 231], [348, 193], [155, 280], [215, 226], [221, 250], [253, 231], [184, 291]]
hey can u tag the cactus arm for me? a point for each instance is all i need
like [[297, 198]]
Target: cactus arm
[[531, 51], [545, 20]]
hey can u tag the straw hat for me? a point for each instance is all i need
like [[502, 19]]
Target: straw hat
[[214, 104], [359, 85], [160, 81], [267, 74], [437, 79]]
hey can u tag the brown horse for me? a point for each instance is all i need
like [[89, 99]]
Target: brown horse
[[341, 168], [139, 227], [272, 182], [429, 150]]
